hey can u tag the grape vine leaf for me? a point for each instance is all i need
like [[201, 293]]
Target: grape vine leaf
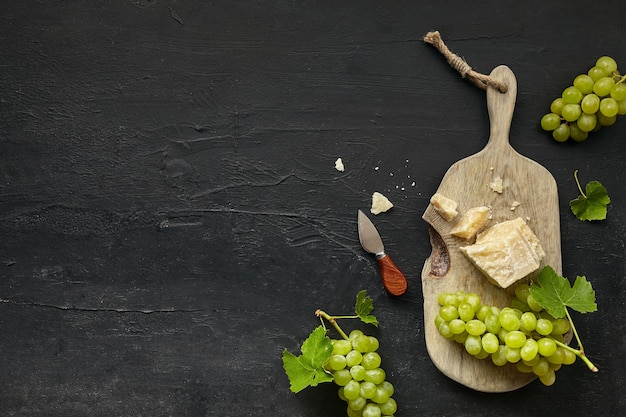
[[592, 204], [307, 369], [363, 307], [554, 293]]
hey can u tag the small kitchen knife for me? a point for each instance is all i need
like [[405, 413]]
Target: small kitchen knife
[[393, 279]]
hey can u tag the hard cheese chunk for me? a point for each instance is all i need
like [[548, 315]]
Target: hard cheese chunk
[[445, 206], [380, 203], [470, 223], [506, 252]]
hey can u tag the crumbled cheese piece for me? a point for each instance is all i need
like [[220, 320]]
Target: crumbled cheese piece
[[380, 203], [515, 205], [496, 185], [339, 165], [445, 206], [506, 252], [471, 222]]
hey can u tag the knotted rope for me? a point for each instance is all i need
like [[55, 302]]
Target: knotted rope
[[459, 64]]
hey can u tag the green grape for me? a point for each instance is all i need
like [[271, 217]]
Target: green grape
[[586, 122], [341, 347], [473, 300], [529, 351], [533, 304], [597, 72], [376, 375], [571, 112], [557, 105], [482, 312], [618, 92], [371, 360], [498, 357], [607, 63], [475, 327], [558, 357], [590, 104], [389, 407], [387, 386], [512, 355], [374, 344], [490, 342], [381, 396], [548, 378], [522, 291], [473, 344], [584, 83], [509, 320], [354, 413], [352, 390], [572, 95], [544, 327], [372, 410], [448, 312], [342, 377], [605, 121], [560, 326], [546, 346], [357, 404], [533, 361], [519, 305], [576, 133], [621, 107], [609, 107], [460, 338], [550, 121], [341, 394], [441, 298], [492, 323], [528, 321], [457, 326], [466, 311], [522, 367], [354, 333], [603, 86], [515, 339], [353, 358], [336, 362], [542, 367], [444, 330], [569, 357], [361, 343], [358, 372], [367, 390]]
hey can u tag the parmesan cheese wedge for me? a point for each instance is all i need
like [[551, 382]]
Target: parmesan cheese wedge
[[445, 206], [470, 222], [506, 252]]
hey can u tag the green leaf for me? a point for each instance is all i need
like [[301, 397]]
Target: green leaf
[[591, 205], [363, 307], [307, 369], [554, 293]]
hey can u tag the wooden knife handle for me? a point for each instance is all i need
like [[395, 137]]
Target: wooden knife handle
[[393, 279]]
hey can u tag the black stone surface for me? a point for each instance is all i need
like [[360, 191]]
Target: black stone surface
[[170, 215]]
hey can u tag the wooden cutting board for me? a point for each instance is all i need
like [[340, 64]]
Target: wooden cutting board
[[447, 269]]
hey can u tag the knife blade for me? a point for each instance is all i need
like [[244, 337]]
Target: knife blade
[[393, 279]]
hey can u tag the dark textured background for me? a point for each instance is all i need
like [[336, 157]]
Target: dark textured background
[[170, 215]]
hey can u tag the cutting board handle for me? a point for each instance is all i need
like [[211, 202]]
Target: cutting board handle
[[500, 107]]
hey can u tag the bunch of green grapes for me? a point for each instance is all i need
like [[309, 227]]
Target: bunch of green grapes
[[355, 364], [594, 100], [521, 333]]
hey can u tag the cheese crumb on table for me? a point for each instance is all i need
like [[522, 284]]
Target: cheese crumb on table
[[496, 185], [339, 165], [506, 252], [445, 206], [380, 203]]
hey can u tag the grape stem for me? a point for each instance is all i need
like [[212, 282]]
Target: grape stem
[[578, 184], [580, 352], [333, 320]]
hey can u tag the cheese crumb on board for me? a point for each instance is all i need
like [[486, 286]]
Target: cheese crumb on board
[[470, 222], [445, 206], [515, 205], [506, 252], [339, 165], [496, 185], [380, 203]]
